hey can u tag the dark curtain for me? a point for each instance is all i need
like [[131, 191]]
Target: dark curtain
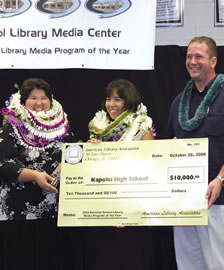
[[80, 91]]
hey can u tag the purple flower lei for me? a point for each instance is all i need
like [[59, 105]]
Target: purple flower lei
[[31, 130], [51, 118]]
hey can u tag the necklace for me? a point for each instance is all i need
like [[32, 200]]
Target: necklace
[[183, 115], [36, 129], [126, 127]]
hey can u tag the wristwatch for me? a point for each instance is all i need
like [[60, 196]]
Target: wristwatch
[[221, 179]]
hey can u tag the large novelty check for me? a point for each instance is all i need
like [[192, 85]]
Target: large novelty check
[[160, 182]]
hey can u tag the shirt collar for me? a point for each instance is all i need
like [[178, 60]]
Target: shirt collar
[[202, 93]]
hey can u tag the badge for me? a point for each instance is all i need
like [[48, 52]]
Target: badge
[[73, 153]]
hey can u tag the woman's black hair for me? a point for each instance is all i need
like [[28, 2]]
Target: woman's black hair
[[34, 83], [125, 90]]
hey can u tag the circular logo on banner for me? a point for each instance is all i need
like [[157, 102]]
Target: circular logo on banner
[[73, 154]]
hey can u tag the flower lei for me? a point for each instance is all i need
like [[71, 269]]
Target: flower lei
[[126, 127], [183, 116], [36, 129]]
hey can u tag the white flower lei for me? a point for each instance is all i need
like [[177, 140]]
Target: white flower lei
[[49, 125], [101, 120]]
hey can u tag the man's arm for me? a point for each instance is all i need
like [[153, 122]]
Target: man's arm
[[214, 188]]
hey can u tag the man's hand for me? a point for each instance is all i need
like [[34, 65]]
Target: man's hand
[[213, 192]]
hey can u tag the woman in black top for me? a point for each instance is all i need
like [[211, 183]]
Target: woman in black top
[[34, 128]]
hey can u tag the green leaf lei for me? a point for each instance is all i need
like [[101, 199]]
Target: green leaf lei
[[125, 126], [183, 116]]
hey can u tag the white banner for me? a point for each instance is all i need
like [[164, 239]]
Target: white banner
[[103, 34]]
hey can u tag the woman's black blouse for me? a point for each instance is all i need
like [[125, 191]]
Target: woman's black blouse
[[25, 201]]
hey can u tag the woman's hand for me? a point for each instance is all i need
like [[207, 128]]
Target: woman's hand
[[94, 140], [42, 179]]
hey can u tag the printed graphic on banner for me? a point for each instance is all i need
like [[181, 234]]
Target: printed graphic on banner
[[58, 9], [13, 8], [96, 34], [108, 8]]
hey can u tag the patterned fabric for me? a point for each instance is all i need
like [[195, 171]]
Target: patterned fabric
[[26, 200], [30, 140]]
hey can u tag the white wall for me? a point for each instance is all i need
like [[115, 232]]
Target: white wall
[[198, 21]]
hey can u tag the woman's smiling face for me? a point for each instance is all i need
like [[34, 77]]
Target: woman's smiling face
[[38, 101], [115, 105]]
